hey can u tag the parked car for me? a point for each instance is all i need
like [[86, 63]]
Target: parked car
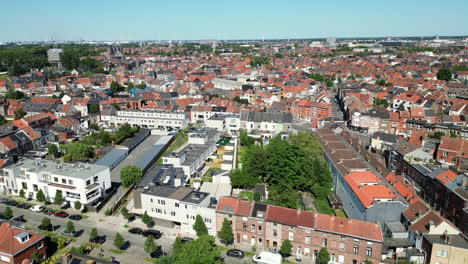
[[65, 205], [22, 205], [49, 228], [157, 253], [75, 217], [36, 208], [135, 230], [3, 200], [156, 234], [19, 219], [98, 240], [186, 239], [48, 212], [235, 253], [11, 203], [61, 214], [71, 234]]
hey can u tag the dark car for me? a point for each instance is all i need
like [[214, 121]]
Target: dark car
[[19, 219], [61, 214], [3, 200], [157, 253], [71, 234], [75, 217], [235, 253], [152, 232], [186, 239], [11, 203], [135, 230], [23, 206], [49, 228], [98, 240], [48, 212]]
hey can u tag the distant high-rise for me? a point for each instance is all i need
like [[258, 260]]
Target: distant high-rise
[[331, 40], [53, 55]]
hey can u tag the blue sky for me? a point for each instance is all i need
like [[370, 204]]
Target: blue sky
[[235, 19]]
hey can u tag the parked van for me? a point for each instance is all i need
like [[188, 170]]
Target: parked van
[[266, 257]]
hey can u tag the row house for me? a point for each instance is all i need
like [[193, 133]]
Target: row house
[[154, 119], [267, 227], [17, 245], [453, 152], [310, 111]]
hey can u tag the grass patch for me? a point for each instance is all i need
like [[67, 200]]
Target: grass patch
[[246, 194], [116, 251], [149, 260], [340, 213], [240, 153], [84, 216], [323, 206]]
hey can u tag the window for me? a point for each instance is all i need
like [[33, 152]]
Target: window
[[356, 249], [163, 202], [245, 227], [332, 257], [55, 179], [291, 236], [177, 205], [275, 232], [208, 220], [252, 228], [341, 246], [342, 237], [24, 185], [369, 252], [260, 241], [442, 253], [5, 259], [259, 229], [70, 182], [275, 244], [35, 188], [151, 199], [39, 246], [307, 239], [324, 242], [64, 181], [88, 182], [172, 213]]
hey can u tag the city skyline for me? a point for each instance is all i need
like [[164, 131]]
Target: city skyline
[[147, 20]]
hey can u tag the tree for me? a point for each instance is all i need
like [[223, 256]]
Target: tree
[[244, 139], [93, 234], [370, 262], [20, 113], [226, 235], [70, 59], [8, 213], [444, 74], [146, 219], [53, 150], [401, 107], [436, 135], [200, 251], [93, 109], [77, 205], [21, 193], [115, 105], [150, 246], [36, 257], [116, 87], [380, 82], [58, 199], [70, 227], [240, 179], [323, 256], [78, 151], [45, 222], [40, 196], [286, 248], [453, 135], [3, 120], [118, 241], [256, 196], [15, 95], [200, 227], [130, 175]]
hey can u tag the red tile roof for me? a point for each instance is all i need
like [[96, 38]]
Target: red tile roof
[[350, 227], [10, 245], [366, 185], [290, 216]]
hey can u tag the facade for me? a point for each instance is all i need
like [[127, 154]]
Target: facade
[[53, 55], [17, 244], [266, 226], [180, 205], [76, 181], [225, 84], [265, 124], [445, 249], [153, 119], [224, 123]]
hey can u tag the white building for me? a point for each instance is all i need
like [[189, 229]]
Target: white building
[[224, 123], [225, 84], [53, 55], [76, 181], [180, 205], [152, 119]]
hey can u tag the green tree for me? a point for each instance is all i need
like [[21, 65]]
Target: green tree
[[70, 59], [78, 151], [3, 120], [141, 86], [20, 113], [380, 82], [70, 227], [93, 109], [150, 246], [130, 175], [53, 150], [226, 235], [118, 241], [370, 262], [77, 205], [401, 107], [8, 213], [40, 196], [245, 139], [116, 87], [323, 256], [437, 135], [200, 227], [14, 94], [444, 74], [36, 257], [257, 197], [45, 222], [286, 248], [21, 193], [93, 234], [239, 179], [453, 135], [146, 219], [58, 199]]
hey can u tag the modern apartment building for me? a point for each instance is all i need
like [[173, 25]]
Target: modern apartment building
[[226, 84], [267, 226], [180, 205], [76, 181], [153, 119]]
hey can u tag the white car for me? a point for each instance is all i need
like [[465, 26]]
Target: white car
[[36, 208]]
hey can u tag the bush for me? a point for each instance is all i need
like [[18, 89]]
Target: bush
[[108, 212], [77, 205]]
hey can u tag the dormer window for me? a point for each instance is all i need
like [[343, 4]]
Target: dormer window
[[23, 237]]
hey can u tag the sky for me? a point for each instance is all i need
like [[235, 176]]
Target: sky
[[28, 20]]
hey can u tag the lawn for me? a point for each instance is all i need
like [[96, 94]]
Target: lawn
[[240, 154], [180, 140], [323, 206], [340, 213], [116, 251], [246, 194]]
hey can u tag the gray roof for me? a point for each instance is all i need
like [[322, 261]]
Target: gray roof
[[455, 240], [274, 117], [385, 137]]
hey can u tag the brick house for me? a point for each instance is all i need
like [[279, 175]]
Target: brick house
[[17, 244], [267, 226]]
